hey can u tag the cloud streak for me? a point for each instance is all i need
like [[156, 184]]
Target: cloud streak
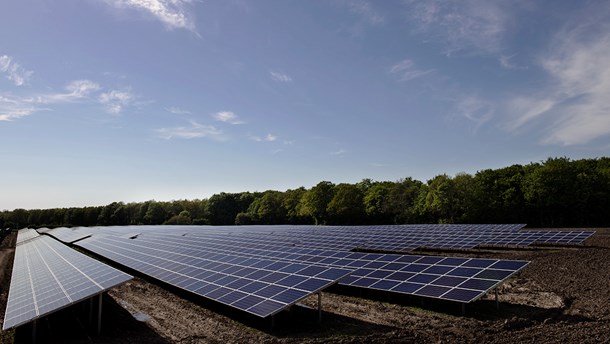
[[475, 109], [13, 107], [172, 13], [575, 107], [13, 70], [364, 9], [77, 91], [405, 70], [194, 131], [115, 101], [468, 26], [267, 138], [280, 77], [178, 111], [227, 117]]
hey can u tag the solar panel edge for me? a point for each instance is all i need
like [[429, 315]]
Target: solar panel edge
[[39, 310], [90, 242]]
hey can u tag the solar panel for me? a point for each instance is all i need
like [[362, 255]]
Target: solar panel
[[259, 286], [68, 235], [26, 234], [417, 275], [48, 276]]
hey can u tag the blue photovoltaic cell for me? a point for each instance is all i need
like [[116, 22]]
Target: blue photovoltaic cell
[[225, 277], [48, 276], [462, 295], [269, 252]]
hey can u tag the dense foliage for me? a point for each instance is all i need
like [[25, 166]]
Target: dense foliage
[[555, 193]]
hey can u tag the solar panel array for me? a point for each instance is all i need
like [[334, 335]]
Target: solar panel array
[[25, 235], [48, 276], [407, 238], [258, 286], [67, 235], [249, 272], [456, 279]]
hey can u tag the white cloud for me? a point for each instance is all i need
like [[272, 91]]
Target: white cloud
[[406, 70], [575, 107], [338, 152], [469, 26], [77, 91], [115, 101], [195, 130], [507, 63], [227, 117], [267, 138], [365, 10], [14, 72], [177, 111], [172, 13], [280, 77], [12, 107], [475, 109]]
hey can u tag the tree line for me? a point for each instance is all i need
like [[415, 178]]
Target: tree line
[[558, 192]]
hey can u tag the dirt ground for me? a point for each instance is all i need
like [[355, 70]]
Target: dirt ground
[[563, 296]]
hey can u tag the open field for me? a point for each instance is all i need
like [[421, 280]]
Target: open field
[[562, 296]]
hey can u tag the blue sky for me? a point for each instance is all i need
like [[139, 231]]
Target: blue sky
[[131, 100]]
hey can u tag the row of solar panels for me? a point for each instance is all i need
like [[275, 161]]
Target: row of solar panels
[[398, 238], [48, 275], [238, 266], [266, 280]]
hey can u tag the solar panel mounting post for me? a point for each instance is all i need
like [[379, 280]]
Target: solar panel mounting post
[[99, 314], [319, 307], [34, 330], [497, 301]]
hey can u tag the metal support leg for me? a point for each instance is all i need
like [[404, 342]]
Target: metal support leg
[[34, 323], [272, 322], [99, 314], [90, 317], [497, 301], [319, 307]]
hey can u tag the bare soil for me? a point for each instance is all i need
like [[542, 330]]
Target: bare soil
[[563, 296]]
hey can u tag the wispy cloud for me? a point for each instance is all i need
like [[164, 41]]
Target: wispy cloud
[[14, 107], [77, 91], [405, 70], [338, 152], [177, 111], [267, 138], [280, 77], [227, 117], [115, 101], [365, 10], [467, 26], [172, 13], [575, 105], [507, 63], [195, 130], [13, 70], [475, 109]]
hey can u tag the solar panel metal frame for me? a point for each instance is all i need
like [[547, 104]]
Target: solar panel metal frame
[[212, 272], [352, 260], [49, 276]]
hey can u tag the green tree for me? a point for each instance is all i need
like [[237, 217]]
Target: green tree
[[184, 218], [346, 207], [268, 209], [223, 208], [155, 214], [315, 201]]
